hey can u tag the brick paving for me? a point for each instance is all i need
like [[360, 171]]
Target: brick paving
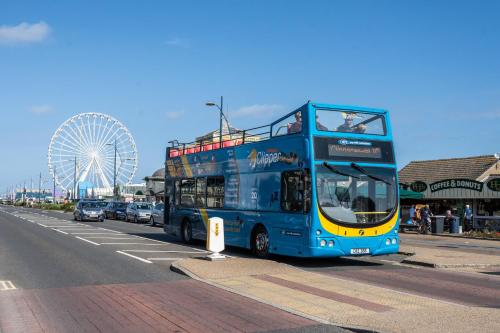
[[179, 306]]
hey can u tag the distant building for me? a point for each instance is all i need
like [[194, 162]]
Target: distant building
[[133, 192], [155, 186]]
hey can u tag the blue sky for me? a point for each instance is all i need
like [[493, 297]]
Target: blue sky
[[153, 64]]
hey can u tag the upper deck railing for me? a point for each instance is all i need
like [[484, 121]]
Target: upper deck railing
[[230, 139], [292, 123]]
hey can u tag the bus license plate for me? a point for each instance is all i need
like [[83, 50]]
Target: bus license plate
[[360, 251]]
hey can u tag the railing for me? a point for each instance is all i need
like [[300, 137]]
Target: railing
[[230, 139], [491, 223]]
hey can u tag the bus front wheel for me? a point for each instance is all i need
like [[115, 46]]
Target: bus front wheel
[[187, 232], [260, 242]]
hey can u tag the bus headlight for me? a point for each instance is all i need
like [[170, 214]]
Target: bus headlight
[[322, 242], [330, 243], [388, 241], [318, 232], [394, 241]]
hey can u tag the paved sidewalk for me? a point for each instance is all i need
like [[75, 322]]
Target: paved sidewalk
[[447, 259], [328, 299]]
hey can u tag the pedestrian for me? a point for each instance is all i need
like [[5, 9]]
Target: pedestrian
[[412, 214], [425, 215], [448, 220], [467, 218]]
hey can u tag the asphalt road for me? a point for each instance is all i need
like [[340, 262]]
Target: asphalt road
[[57, 275], [43, 249]]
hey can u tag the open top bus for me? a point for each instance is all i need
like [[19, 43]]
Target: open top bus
[[320, 181]]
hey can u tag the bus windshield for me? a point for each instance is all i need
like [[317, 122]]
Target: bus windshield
[[348, 121], [356, 195]]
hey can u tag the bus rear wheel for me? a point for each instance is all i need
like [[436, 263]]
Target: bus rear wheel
[[260, 242], [187, 232]]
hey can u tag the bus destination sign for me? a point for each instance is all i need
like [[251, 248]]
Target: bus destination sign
[[341, 149]]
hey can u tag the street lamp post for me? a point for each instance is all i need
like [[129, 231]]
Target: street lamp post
[[40, 188], [114, 168], [74, 182], [221, 114], [54, 192]]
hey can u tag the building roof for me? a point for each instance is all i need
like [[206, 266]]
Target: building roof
[[159, 173], [435, 170]]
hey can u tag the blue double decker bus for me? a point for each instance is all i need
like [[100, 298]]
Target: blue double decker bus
[[319, 182]]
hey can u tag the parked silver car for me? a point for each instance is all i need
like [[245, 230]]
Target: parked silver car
[[86, 210], [138, 212], [157, 214]]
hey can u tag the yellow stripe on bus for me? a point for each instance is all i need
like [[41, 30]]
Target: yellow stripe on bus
[[204, 216], [187, 167], [339, 230]]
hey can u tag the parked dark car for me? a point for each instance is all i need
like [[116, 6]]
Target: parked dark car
[[116, 210], [139, 212], [88, 210]]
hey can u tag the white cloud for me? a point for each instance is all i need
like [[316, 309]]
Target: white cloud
[[24, 33], [258, 111], [172, 115], [41, 109], [178, 42]]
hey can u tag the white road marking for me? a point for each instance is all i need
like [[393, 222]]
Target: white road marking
[[66, 226], [43, 225], [132, 256], [108, 230], [62, 232], [103, 237], [86, 240], [166, 259], [94, 233], [153, 251], [7, 285], [132, 244]]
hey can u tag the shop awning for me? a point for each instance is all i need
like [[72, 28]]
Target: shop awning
[[407, 194]]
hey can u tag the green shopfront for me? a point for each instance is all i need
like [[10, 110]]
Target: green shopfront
[[453, 183]]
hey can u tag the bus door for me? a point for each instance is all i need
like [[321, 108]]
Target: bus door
[[294, 201]]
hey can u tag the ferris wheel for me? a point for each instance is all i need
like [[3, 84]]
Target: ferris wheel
[[93, 149]]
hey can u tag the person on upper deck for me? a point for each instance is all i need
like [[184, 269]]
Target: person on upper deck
[[295, 127], [347, 126]]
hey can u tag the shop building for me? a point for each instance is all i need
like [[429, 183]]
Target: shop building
[[450, 184]]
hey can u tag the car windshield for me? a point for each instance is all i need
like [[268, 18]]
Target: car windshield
[[92, 205], [348, 121], [121, 205], [143, 206], [354, 195]]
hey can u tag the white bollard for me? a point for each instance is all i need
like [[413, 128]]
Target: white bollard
[[215, 238]]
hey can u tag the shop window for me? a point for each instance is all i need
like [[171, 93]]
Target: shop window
[[215, 192]]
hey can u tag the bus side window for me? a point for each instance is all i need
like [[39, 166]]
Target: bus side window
[[215, 192], [201, 192], [292, 191], [187, 192], [177, 193]]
